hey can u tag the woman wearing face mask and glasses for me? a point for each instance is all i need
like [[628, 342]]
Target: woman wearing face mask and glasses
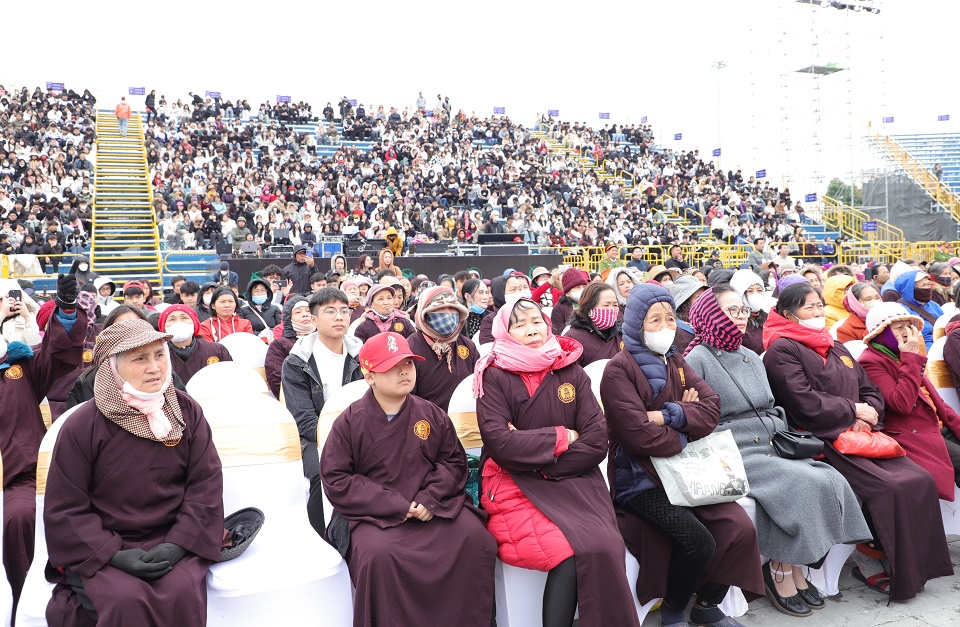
[[825, 391], [594, 324], [654, 403]]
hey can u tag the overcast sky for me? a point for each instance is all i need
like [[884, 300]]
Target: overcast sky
[[629, 59]]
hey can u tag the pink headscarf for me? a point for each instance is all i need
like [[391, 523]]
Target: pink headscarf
[[509, 354]]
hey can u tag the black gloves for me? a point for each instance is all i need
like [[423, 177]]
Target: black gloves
[[67, 290], [130, 562], [165, 552]]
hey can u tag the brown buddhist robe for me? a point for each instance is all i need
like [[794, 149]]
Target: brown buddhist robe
[[368, 328], [204, 353], [408, 572], [595, 347], [627, 397], [568, 489], [22, 386], [57, 395], [435, 382], [109, 490], [899, 497]]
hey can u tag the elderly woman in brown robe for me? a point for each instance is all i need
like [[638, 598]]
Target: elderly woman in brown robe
[[543, 438], [133, 512], [448, 356], [825, 391], [655, 402]]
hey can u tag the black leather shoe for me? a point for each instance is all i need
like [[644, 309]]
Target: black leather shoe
[[792, 606], [811, 597]]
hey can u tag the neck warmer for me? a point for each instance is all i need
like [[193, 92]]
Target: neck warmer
[[302, 328], [509, 354], [778, 326], [712, 325], [185, 352], [851, 304]]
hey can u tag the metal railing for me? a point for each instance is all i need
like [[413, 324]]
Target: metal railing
[[850, 221], [923, 177]]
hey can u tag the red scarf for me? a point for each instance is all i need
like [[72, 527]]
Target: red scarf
[[777, 326]]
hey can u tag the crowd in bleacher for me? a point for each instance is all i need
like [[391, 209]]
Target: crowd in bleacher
[[444, 177], [46, 172]]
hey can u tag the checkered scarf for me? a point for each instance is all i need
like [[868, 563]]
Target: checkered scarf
[[109, 396]]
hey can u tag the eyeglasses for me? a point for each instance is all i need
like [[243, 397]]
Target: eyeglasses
[[332, 313], [736, 312]]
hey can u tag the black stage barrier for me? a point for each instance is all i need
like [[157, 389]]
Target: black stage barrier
[[489, 266]]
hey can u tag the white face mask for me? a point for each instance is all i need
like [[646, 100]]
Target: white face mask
[[754, 301], [817, 324], [82, 267], [870, 304], [207, 298], [181, 331], [659, 342], [513, 298], [575, 294], [143, 396]]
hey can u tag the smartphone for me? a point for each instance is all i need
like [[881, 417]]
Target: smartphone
[[309, 252], [16, 295]]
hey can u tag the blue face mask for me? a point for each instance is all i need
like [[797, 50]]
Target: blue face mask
[[476, 308], [259, 299]]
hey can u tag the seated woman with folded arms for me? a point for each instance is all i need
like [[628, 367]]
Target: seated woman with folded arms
[[803, 507], [133, 511], [825, 391], [654, 403], [543, 438]]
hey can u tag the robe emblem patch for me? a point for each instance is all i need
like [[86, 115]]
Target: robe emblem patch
[[213, 360], [846, 361], [621, 344], [422, 429], [398, 327], [566, 393], [463, 351], [14, 372], [87, 356]]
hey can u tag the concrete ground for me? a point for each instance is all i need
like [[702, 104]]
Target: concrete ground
[[859, 606]]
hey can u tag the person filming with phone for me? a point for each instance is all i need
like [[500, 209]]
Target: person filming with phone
[[18, 315]]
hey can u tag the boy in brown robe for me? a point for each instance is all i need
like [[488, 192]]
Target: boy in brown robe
[[394, 469]]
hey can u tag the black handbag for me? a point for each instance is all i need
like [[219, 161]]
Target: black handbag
[[788, 444]]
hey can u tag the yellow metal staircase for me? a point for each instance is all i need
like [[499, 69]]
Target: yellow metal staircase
[[126, 243], [927, 180]]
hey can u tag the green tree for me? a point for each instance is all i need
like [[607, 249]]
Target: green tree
[[841, 191]]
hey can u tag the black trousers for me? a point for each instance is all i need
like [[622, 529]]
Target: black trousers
[[953, 450], [693, 547]]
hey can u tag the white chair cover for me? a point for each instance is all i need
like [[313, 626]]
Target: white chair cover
[[223, 378], [940, 326], [161, 307], [463, 412], [594, 370], [483, 349], [476, 338], [547, 311], [32, 610], [950, 512], [856, 348], [939, 374], [288, 575], [949, 309], [332, 408], [836, 325], [246, 349]]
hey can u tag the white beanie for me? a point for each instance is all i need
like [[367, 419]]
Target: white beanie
[[743, 279]]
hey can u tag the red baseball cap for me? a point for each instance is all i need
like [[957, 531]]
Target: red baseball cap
[[383, 351]]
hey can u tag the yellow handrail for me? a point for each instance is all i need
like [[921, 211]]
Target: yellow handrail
[[926, 179], [849, 221]]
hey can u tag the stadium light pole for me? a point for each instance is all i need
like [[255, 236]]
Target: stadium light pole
[[718, 66]]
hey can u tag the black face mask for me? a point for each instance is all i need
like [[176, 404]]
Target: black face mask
[[944, 280], [923, 295]]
